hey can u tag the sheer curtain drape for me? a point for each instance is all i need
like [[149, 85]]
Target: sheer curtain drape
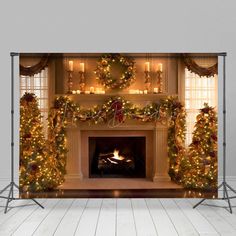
[[199, 90], [37, 84]]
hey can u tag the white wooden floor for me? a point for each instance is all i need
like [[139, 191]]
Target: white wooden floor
[[108, 217]]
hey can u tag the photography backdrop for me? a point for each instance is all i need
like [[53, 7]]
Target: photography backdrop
[[118, 121], [160, 26]]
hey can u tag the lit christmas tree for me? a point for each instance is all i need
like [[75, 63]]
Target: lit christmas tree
[[199, 167], [38, 170]]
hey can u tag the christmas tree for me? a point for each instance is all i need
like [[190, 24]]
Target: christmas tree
[[199, 167], [38, 170]]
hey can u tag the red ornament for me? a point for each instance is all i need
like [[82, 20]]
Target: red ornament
[[33, 167], [29, 97], [117, 106], [214, 137], [212, 154], [196, 142], [27, 136]]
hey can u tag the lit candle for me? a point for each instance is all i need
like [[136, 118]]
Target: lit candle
[[145, 91], [78, 91], [82, 67], [87, 92], [140, 91], [155, 90], [91, 89], [159, 67], [73, 92], [70, 65], [147, 66]]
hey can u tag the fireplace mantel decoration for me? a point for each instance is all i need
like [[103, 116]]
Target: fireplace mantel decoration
[[168, 111], [105, 77]]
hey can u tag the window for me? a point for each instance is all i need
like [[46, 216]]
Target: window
[[37, 84], [198, 90]]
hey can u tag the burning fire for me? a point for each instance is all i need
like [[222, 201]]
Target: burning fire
[[116, 155]]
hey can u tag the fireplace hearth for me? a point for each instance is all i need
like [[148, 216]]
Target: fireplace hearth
[[117, 157]]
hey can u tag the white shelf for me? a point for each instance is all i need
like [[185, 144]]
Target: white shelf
[[132, 97]]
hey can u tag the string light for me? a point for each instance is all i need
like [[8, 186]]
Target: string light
[[46, 159], [201, 172]]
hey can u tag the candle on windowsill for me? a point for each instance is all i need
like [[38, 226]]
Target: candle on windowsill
[[87, 92], [97, 90], [147, 66], [73, 91], [92, 90], [145, 91], [160, 67], [71, 65], [155, 90], [77, 91], [81, 67]]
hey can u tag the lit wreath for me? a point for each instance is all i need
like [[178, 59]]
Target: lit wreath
[[103, 71]]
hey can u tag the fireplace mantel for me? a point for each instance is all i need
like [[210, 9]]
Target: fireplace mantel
[[156, 147]]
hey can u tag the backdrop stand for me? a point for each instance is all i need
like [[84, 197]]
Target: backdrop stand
[[12, 184], [224, 185]]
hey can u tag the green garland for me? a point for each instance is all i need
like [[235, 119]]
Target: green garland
[[103, 71], [60, 114], [114, 112]]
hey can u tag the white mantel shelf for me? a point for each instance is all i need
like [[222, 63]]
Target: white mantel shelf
[[127, 96]]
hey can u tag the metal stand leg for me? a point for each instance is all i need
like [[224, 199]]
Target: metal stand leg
[[199, 203], [230, 189], [12, 184], [224, 184], [226, 187], [5, 189], [11, 197]]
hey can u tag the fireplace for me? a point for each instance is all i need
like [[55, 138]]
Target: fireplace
[[88, 142], [117, 157]]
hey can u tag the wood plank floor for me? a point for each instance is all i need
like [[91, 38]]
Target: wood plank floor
[[118, 217]]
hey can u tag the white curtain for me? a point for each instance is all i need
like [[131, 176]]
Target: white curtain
[[37, 84], [198, 90]]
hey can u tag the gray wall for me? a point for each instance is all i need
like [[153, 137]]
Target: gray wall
[[118, 26]]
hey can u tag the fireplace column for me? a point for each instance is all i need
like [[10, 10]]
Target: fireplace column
[[74, 154], [160, 155]]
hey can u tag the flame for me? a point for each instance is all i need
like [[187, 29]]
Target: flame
[[116, 155]]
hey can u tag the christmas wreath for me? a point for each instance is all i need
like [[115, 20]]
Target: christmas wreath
[[109, 81]]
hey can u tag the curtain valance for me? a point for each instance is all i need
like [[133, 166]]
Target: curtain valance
[[191, 64], [32, 70]]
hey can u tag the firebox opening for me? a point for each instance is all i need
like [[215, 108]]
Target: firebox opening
[[117, 157]]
